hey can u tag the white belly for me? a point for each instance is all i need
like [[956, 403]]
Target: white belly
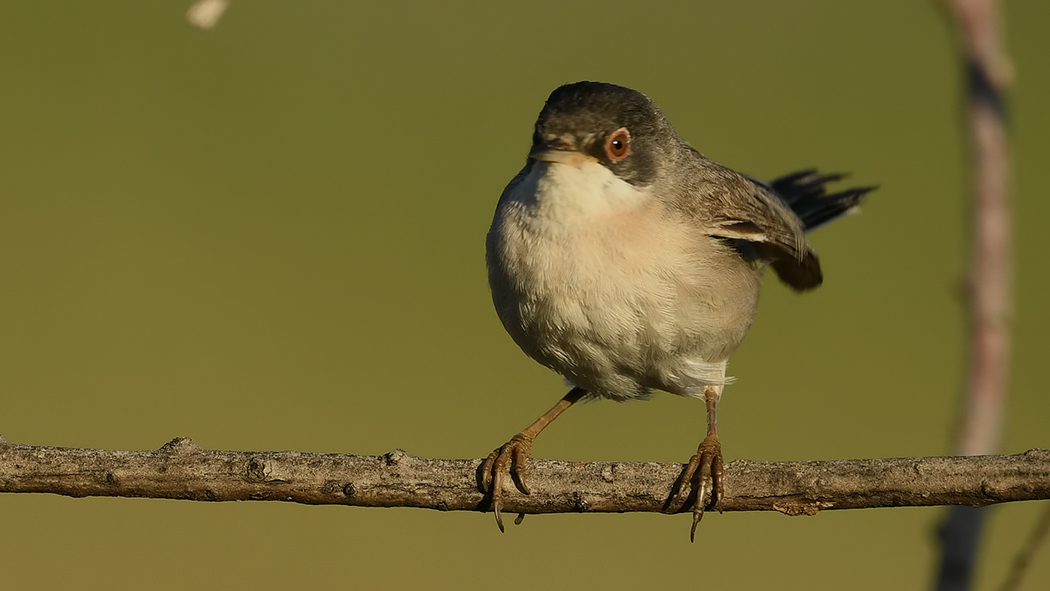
[[593, 279]]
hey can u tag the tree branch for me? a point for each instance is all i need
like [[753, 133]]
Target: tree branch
[[989, 280], [989, 283], [182, 470]]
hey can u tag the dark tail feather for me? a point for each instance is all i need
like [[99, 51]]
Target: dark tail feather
[[806, 193]]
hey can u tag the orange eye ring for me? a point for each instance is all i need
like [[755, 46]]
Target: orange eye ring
[[618, 144]]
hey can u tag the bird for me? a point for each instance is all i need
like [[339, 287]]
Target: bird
[[625, 260]]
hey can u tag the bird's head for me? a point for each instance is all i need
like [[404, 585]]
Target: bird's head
[[598, 122]]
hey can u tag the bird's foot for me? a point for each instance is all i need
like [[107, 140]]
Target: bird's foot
[[708, 459], [509, 458]]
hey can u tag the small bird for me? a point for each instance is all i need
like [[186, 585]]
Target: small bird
[[626, 261]]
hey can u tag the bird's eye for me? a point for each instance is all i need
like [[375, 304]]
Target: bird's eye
[[618, 144]]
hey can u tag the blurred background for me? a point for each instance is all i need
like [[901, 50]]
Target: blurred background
[[270, 236]]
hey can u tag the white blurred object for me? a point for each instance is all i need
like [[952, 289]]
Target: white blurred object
[[204, 14]]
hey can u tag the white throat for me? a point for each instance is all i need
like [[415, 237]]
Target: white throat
[[578, 194]]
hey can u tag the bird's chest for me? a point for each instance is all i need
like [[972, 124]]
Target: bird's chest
[[580, 270], [604, 272]]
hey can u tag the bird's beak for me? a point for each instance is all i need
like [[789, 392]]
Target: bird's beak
[[570, 157]]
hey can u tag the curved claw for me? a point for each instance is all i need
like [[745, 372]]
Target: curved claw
[[708, 459], [509, 458]]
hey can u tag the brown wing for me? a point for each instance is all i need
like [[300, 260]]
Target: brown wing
[[749, 212]]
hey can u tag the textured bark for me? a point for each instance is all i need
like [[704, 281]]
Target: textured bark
[[182, 470]]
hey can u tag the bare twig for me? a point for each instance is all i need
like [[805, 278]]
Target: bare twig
[[1024, 557], [989, 281], [182, 470]]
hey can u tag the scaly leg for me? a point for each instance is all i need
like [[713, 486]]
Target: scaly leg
[[518, 449], [708, 458]]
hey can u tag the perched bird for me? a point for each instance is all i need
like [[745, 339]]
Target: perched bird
[[623, 259]]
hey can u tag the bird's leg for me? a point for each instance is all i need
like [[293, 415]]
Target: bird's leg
[[708, 458], [518, 449]]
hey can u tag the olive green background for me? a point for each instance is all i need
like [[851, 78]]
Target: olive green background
[[271, 236]]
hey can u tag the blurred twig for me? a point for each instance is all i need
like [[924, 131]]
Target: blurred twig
[[989, 280], [182, 470], [1024, 557], [205, 14]]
